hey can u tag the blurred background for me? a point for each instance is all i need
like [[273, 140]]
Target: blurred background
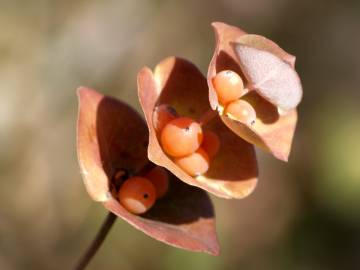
[[303, 215]]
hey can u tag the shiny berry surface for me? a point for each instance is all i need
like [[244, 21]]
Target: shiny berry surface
[[242, 111], [194, 164], [181, 137], [137, 195], [228, 86]]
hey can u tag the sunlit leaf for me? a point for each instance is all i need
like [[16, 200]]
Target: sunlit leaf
[[270, 76], [274, 128]]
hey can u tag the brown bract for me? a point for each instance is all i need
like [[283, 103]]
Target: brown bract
[[111, 136], [177, 82], [274, 128]]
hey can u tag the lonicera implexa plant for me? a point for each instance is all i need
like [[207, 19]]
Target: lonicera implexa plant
[[197, 135], [112, 142]]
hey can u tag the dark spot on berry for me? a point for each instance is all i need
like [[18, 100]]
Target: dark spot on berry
[[187, 129], [146, 196]]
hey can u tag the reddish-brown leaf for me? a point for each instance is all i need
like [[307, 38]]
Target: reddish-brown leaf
[[273, 130], [111, 137], [177, 82]]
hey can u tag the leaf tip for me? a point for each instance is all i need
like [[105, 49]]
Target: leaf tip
[[215, 251], [86, 92], [216, 24], [82, 90], [143, 72], [282, 156]]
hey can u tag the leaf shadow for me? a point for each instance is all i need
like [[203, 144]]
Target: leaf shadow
[[123, 139], [182, 204], [225, 61], [265, 111]]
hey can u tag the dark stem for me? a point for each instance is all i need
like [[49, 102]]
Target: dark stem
[[207, 117], [96, 244]]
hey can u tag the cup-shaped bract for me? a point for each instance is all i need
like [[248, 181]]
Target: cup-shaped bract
[[274, 87], [111, 138], [178, 83]]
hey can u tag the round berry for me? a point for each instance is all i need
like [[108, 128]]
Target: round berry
[[194, 164], [163, 114], [242, 111], [137, 195], [211, 143], [160, 179], [228, 86], [181, 137]]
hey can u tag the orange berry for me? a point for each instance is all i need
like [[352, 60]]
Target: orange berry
[[194, 164], [211, 143], [242, 111], [181, 137], [160, 179], [228, 86], [163, 114], [137, 195]]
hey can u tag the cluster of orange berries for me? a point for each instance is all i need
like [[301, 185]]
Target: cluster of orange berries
[[184, 140], [229, 88], [138, 194]]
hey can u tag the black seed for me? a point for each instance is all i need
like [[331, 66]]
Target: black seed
[[172, 110], [119, 176]]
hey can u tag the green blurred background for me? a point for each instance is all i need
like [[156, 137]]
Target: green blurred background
[[303, 215]]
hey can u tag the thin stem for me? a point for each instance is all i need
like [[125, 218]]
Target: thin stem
[[96, 244], [207, 117]]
